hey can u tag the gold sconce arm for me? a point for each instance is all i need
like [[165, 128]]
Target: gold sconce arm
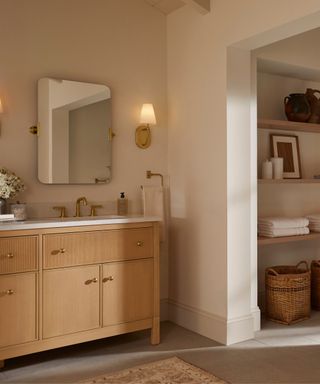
[[34, 130], [111, 134]]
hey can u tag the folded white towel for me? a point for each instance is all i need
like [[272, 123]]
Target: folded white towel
[[314, 228], [283, 222], [7, 217], [153, 201], [315, 217], [279, 232]]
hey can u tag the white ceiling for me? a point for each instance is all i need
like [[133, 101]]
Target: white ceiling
[[168, 6]]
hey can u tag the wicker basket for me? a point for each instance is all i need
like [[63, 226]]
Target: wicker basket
[[315, 284], [288, 293]]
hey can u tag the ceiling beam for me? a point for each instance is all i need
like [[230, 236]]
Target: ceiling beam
[[203, 6]]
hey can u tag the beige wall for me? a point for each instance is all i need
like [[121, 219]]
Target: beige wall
[[210, 235], [118, 43], [121, 44]]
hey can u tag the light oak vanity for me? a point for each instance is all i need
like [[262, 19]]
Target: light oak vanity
[[66, 282]]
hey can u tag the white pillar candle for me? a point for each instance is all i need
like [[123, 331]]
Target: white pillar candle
[[277, 163], [267, 169]]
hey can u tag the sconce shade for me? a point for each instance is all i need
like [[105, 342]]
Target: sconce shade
[[1, 107], [147, 115]]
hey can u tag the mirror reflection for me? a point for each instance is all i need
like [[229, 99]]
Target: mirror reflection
[[74, 140]]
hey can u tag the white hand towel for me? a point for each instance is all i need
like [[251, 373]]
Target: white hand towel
[[283, 222], [279, 232], [153, 200], [314, 219], [314, 228]]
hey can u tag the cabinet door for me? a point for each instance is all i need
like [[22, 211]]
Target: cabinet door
[[70, 300], [127, 291], [18, 309]]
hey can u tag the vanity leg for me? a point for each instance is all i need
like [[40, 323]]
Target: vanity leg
[[155, 331], [1, 364]]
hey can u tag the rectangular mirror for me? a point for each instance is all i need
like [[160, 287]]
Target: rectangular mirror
[[74, 132]]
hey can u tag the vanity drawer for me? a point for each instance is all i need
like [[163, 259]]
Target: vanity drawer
[[18, 254], [66, 249]]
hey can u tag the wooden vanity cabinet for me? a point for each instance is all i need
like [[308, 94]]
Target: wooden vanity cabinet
[[68, 285], [18, 303], [70, 300], [127, 291], [18, 290]]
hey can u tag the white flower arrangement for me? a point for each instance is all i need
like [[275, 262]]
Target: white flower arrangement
[[10, 184]]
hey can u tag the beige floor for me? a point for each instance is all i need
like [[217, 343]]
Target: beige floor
[[278, 354]]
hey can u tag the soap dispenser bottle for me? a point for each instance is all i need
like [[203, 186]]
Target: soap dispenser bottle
[[122, 205]]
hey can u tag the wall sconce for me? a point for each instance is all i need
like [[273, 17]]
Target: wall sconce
[[143, 132]]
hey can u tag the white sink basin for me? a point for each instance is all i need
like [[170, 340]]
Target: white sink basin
[[52, 222]]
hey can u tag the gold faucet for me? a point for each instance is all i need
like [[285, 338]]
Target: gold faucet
[[84, 202]]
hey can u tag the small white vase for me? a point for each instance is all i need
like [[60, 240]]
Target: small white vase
[[277, 163]]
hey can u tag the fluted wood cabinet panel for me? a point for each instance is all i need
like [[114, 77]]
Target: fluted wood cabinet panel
[[18, 303], [127, 291], [65, 285], [18, 254], [66, 249], [70, 300]]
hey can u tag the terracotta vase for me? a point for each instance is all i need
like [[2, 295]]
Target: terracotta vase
[[314, 102], [297, 107]]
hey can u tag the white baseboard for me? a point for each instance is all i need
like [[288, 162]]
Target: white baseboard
[[207, 324], [240, 329], [256, 314], [198, 321], [164, 316]]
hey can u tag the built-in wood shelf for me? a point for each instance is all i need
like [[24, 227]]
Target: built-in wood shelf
[[288, 181], [287, 239], [283, 125]]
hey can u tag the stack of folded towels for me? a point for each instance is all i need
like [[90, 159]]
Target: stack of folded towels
[[283, 226], [314, 223]]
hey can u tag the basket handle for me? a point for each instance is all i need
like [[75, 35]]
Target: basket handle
[[303, 262], [272, 271]]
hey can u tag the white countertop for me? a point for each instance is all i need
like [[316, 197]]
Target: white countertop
[[74, 222]]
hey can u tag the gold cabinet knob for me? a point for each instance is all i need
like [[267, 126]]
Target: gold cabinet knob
[[10, 255], [109, 278], [140, 243], [89, 281], [57, 251], [10, 292]]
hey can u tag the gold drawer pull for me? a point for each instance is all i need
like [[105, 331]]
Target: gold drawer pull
[[10, 292], [109, 278], [94, 280], [57, 251], [10, 255], [140, 243]]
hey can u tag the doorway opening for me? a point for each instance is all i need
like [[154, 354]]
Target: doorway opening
[[254, 66]]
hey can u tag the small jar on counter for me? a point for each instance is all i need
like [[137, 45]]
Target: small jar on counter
[[19, 211]]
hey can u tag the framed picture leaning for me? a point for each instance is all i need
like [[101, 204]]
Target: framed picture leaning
[[287, 146]]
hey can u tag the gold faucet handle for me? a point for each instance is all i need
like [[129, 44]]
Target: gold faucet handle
[[62, 210], [93, 209]]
